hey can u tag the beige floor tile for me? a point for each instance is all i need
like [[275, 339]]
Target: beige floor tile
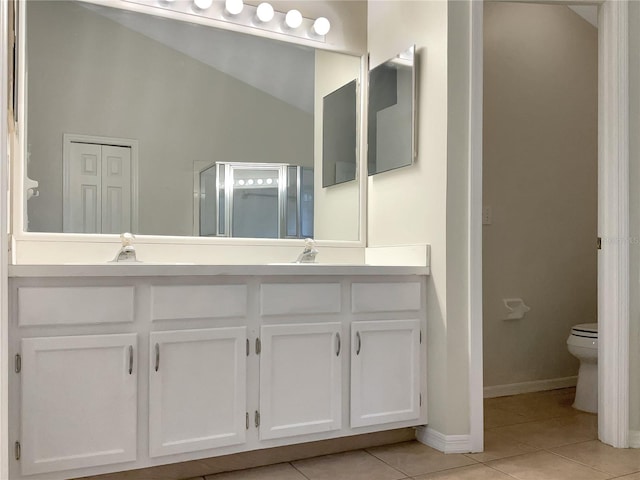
[[499, 446], [545, 466], [498, 417], [617, 461], [538, 405], [357, 465], [554, 432], [473, 472], [414, 458], [281, 471]]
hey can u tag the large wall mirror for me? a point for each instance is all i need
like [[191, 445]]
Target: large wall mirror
[[133, 121]]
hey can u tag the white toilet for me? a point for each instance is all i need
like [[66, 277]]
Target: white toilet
[[583, 344]]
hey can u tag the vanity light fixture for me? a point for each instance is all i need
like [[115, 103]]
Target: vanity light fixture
[[265, 12], [321, 26], [233, 7], [248, 16], [203, 4], [293, 19]]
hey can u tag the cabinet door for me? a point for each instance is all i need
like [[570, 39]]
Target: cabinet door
[[300, 379], [79, 402], [385, 372], [197, 389]]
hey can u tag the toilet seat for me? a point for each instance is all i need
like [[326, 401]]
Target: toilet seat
[[585, 330]]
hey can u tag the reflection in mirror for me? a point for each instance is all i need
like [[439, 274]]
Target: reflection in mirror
[[176, 99], [391, 117], [339, 130], [256, 200]]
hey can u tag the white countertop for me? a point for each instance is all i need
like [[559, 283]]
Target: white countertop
[[160, 270]]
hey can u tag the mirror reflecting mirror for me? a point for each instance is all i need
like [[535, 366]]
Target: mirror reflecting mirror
[[339, 134], [131, 119], [391, 113]]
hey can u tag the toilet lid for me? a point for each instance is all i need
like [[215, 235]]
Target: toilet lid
[[588, 330]]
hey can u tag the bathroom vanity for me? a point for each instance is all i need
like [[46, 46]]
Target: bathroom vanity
[[120, 367]]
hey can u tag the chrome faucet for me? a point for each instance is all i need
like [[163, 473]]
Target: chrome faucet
[[309, 253], [127, 252]]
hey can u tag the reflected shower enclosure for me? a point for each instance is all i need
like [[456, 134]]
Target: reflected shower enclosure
[[256, 200]]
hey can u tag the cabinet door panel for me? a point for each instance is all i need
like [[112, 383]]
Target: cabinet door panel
[[78, 402], [300, 379], [197, 395], [385, 372]]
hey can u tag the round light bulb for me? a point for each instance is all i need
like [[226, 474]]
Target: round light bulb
[[250, 182], [240, 182], [265, 12], [233, 7], [260, 181], [269, 181], [321, 26], [203, 4], [293, 19]]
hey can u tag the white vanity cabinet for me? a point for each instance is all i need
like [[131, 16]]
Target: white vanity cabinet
[[385, 372], [197, 389], [79, 401], [165, 364], [300, 379]]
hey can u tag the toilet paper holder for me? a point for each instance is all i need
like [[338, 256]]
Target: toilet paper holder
[[516, 307]]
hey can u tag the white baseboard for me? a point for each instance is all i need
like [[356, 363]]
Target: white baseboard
[[442, 442], [634, 439], [528, 387]]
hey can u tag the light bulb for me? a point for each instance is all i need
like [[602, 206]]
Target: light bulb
[[233, 7], [250, 181], [269, 181], [203, 4], [321, 26], [264, 12], [260, 181], [240, 182], [293, 19]]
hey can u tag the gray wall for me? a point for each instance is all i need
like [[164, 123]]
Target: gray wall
[[540, 179], [117, 83]]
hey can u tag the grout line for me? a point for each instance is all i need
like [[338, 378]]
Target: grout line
[[381, 460], [299, 471]]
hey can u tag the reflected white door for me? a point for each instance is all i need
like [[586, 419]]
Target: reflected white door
[[97, 193]]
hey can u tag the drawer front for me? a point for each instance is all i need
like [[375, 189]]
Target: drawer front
[[198, 301], [75, 305], [296, 299], [385, 297]]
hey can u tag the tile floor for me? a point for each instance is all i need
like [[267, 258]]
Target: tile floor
[[535, 436]]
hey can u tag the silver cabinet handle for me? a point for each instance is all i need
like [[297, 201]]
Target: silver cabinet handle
[[359, 344], [130, 359], [338, 344], [157, 356]]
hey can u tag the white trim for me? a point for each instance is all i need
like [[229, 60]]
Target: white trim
[[476, 417], [529, 387], [69, 138], [613, 225], [442, 442], [4, 245]]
